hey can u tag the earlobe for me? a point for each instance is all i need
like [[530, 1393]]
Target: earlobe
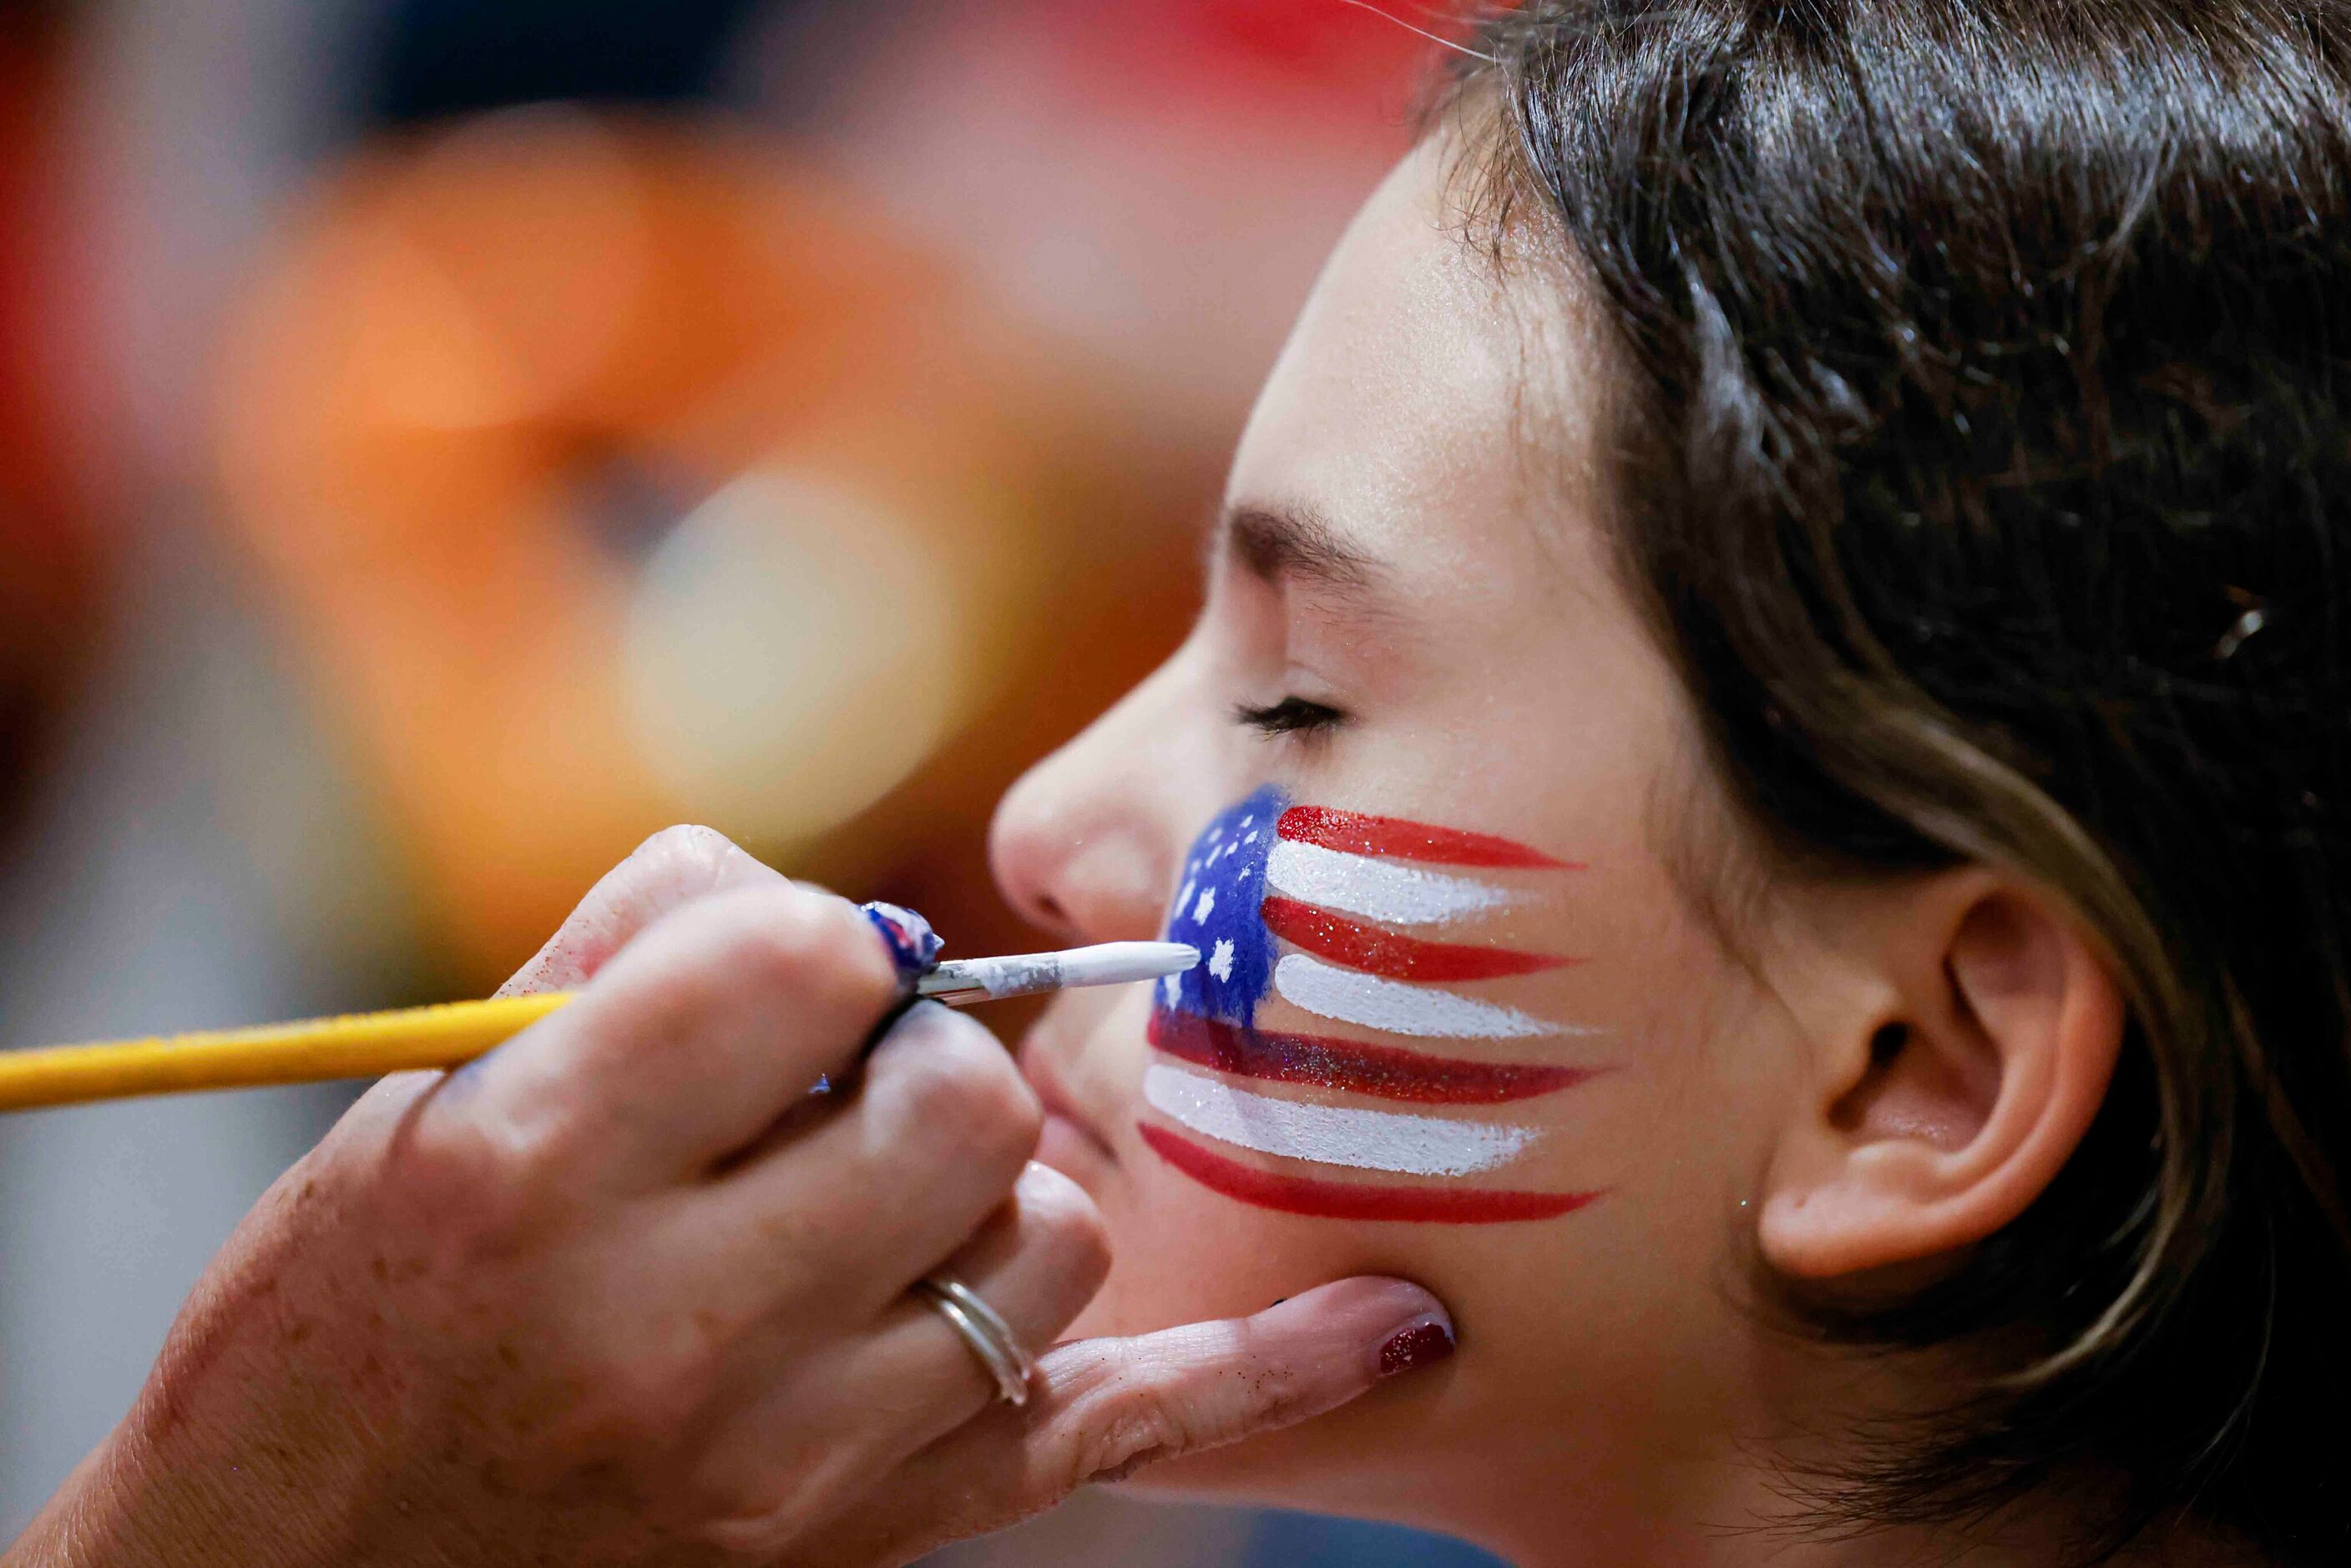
[[1954, 1089]]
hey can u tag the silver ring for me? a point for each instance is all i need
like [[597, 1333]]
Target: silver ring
[[988, 1335]]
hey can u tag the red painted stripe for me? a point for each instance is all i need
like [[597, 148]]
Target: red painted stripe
[[1378, 952], [1382, 1071], [1351, 1200], [1356, 834]]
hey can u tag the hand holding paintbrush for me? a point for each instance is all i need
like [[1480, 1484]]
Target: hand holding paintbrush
[[369, 1045], [624, 1291]]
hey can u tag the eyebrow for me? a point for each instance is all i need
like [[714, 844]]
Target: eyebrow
[[1274, 542]]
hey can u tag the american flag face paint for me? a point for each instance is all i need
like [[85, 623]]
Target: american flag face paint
[[1303, 904]]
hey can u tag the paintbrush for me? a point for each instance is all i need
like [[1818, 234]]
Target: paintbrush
[[369, 1045]]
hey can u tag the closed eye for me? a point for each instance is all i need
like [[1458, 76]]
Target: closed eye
[[1291, 716]]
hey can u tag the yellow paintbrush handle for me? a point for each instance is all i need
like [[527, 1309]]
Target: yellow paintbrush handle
[[360, 1045]]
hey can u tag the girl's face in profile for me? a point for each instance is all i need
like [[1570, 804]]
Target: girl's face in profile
[[1410, 786]]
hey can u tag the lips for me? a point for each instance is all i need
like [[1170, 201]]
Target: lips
[[1074, 1140]]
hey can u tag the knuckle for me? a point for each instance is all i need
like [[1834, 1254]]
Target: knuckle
[[685, 846], [641, 1401], [758, 937], [955, 1083], [1143, 1426], [1068, 1224], [760, 1533], [756, 1531], [483, 1183], [1170, 1394], [760, 1521], [796, 942]]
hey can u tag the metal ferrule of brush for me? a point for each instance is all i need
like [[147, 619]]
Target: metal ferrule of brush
[[969, 980]]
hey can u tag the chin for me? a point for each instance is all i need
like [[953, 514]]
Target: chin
[[1071, 1150], [1183, 1255], [1389, 1455]]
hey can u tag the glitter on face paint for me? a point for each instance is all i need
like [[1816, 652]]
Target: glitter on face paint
[[1395, 1007], [1355, 1067], [1356, 833], [1330, 1134], [1378, 890], [1323, 1199], [1376, 952], [1215, 911], [1329, 883]]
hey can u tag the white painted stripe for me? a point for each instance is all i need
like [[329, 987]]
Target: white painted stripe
[[1330, 1135], [1351, 996], [1377, 889]]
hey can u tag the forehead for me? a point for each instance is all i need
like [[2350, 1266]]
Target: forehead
[[1427, 401]]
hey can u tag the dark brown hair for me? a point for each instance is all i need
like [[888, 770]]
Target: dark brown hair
[[1984, 459]]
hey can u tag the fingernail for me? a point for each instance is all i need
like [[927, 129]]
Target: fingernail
[[1424, 1342]]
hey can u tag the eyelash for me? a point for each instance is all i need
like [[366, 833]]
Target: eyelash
[[1291, 716]]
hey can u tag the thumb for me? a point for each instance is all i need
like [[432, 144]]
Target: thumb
[[674, 866], [1113, 1405], [1106, 1407]]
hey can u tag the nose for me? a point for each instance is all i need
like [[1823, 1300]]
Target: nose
[[1084, 844]]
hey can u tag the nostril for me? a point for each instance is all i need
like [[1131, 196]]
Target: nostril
[[1078, 859]]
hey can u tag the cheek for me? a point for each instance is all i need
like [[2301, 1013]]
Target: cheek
[[1674, 1151], [1584, 1337], [1184, 1254], [1370, 1048], [1563, 1009], [1585, 1343], [1181, 1254]]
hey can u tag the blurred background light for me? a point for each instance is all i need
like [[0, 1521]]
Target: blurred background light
[[442, 441], [435, 59], [790, 653], [51, 557]]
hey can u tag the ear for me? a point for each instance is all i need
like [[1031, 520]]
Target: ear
[[1960, 1055]]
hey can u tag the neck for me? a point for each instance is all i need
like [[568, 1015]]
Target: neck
[[1707, 1473], [1741, 1515]]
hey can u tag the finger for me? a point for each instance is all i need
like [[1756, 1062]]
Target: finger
[[1036, 1262], [673, 867], [894, 1391], [1109, 1406], [1114, 1405], [874, 1196], [691, 1041]]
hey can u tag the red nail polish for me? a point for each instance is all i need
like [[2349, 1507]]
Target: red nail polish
[[1422, 1343]]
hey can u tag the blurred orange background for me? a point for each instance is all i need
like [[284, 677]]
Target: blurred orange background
[[442, 441]]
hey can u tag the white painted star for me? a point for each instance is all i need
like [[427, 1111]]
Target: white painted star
[[1252, 837], [1207, 901], [1220, 961], [1169, 988], [1191, 885]]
